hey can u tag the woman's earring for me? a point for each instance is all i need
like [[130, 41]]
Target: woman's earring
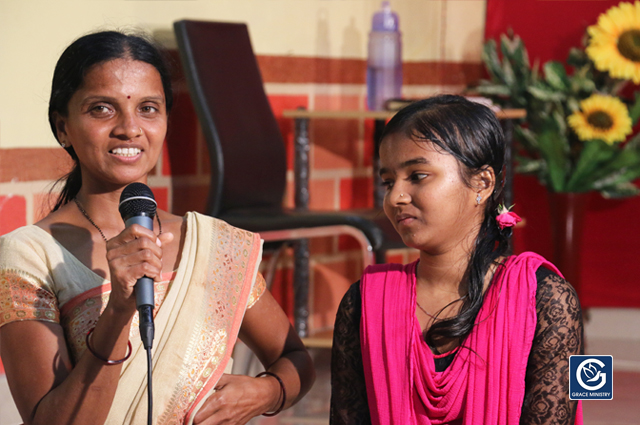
[[478, 199], [63, 144]]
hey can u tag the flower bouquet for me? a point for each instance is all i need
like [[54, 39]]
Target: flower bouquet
[[574, 137]]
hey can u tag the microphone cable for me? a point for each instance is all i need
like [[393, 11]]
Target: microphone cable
[[149, 388], [147, 330]]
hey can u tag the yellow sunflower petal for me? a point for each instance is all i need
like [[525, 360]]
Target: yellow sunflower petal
[[614, 44], [601, 117]]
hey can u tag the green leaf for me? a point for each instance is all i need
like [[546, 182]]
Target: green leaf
[[561, 122], [622, 190], [577, 57], [633, 144], [514, 51], [621, 176], [529, 166], [543, 93], [593, 154], [580, 84], [527, 138], [634, 110], [492, 61], [534, 71], [553, 146], [556, 76], [573, 105], [507, 72], [491, 90], [520, 54]]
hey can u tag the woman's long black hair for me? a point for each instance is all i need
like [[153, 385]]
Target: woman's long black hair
[[71, 69], [471, 133]]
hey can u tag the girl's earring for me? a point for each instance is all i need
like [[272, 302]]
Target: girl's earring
[[63, 144], [478, 199]]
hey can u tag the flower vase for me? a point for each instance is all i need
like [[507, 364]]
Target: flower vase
[[567, 222]]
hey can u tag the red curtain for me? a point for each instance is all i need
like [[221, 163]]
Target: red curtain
[[611, 242]]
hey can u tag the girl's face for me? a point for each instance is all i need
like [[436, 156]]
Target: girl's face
[[116, 123], [427, 201]]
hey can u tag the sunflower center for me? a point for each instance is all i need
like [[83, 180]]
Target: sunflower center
[[601, 120], [629, 45]]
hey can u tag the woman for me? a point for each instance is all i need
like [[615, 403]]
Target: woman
[[466, 334], [67, 301]]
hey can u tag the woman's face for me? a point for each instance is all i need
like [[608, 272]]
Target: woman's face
[[427, 201], [116, 123]]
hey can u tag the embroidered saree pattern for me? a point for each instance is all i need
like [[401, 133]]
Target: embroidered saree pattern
[[21, 299]]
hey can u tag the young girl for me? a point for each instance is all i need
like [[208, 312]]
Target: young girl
[[69, 334], [467, 334]]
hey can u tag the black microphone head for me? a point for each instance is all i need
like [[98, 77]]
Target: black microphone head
[[137, 199]]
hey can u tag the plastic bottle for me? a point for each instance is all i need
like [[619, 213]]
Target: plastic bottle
[[384, 65]]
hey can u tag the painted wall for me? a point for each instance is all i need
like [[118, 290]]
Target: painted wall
[[33, 33]]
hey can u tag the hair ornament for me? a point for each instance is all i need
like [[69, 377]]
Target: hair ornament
[[506, 218]]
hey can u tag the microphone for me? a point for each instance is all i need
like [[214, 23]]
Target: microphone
[[138, 206]]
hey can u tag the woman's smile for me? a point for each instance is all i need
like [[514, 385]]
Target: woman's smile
[[126, 152]]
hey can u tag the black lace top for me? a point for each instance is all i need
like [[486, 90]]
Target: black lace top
[[546, 401]]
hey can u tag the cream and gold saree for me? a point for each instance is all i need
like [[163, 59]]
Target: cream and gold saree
[[199, 310]]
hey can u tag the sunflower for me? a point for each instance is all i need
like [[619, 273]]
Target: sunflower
[[601, 117], [614, 45]]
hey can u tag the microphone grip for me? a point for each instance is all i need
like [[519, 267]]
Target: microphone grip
[[144, 290], [147, 327]]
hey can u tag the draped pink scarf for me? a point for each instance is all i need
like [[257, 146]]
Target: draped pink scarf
[[484, 384]]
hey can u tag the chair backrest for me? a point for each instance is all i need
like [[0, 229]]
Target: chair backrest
[[247, 153]]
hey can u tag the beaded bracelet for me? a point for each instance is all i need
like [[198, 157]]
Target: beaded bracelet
[[99, 357], [283, 392]]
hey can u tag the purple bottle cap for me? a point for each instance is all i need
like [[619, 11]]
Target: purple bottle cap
[[385, 19]]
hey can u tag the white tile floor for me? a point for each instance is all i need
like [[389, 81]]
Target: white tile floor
[[613, 332]]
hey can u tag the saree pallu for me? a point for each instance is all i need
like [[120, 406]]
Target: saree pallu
[[485, 383], [199, 311]]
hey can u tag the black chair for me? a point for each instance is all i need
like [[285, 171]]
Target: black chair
[[247, 153]]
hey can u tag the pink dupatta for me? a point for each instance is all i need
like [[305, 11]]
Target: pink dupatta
[[484, 384]]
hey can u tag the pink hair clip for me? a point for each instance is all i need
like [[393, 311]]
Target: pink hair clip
[[506, 218]]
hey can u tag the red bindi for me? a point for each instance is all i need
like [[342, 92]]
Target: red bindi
[[128, 97]]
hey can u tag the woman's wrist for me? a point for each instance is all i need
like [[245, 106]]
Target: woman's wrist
[[277, 392], [112, 330], [120, 313]]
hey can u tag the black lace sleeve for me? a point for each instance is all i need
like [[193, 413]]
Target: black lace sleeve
[[558, 335], [348, 389]]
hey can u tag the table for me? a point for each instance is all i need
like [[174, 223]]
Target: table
[[302, 143]]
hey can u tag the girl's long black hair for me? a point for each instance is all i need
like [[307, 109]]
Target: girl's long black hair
[[74, 64], [472, 134]]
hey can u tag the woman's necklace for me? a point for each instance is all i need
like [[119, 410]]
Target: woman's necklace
[[425, 311], [435, 317], [84, 213]]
